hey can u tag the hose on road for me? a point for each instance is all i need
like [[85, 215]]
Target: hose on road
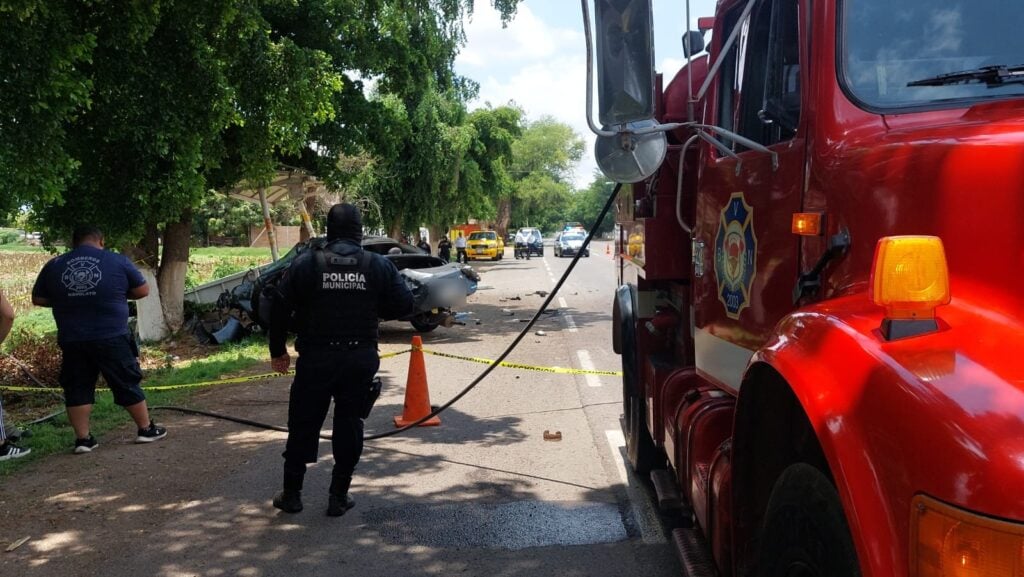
[[483, 374]]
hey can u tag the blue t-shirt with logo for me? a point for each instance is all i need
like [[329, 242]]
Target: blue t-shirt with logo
[[88, 290]]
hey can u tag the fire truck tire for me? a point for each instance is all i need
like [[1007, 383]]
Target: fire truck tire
[[805, 532], [623, 317], [640, 449]]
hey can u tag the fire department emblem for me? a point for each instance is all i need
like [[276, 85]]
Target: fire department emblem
[[82, 275], [735, 255]]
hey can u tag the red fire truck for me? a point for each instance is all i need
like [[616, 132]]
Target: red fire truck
[[819, 314]]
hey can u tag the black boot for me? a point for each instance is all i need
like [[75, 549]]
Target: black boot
[[338, 502], [290, 499]]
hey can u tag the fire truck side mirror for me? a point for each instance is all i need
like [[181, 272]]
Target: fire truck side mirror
[[625, 61], [693, 43]]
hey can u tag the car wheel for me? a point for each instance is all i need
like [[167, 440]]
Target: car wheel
[[805, 531], [423, 326]]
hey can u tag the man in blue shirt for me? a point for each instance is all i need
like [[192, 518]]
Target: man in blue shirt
[[88, 289]]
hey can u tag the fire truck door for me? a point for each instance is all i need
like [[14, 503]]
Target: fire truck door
[[744, 246]]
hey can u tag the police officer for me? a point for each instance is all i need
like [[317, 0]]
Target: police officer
[[336, 294]]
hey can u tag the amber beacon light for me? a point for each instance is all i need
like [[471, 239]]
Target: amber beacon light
[[909, 278], [807, 223], [950, 542]]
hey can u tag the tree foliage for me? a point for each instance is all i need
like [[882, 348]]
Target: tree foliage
[[587, 204], [126, 113], [544, 158]]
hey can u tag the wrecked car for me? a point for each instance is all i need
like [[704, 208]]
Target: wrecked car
[[437, 287]]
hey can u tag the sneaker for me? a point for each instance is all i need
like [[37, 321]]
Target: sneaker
[[86, 445], [151, 433], [9, 451]]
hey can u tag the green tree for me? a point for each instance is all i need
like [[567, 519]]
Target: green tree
[[544, 158], [587, 204], [127, 113]]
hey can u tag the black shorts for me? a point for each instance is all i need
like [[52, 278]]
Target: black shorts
[[116, 358]]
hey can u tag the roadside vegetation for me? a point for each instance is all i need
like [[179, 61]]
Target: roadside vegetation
[[141, 118], [55, 435], [30, 356]]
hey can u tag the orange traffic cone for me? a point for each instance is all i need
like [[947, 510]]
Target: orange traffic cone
[[417, 398], [608, 249]]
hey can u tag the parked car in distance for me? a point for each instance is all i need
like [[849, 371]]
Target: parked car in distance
[[570, 242], [535, 242], [485, 244]]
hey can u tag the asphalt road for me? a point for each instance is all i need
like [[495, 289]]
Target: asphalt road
[[482, 494]]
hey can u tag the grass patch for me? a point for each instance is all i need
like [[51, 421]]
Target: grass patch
[[38, 321], [222, 251], [14, 247], [230, 360], [56, 436]]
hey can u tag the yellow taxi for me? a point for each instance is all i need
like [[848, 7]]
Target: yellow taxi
[[485, 244]]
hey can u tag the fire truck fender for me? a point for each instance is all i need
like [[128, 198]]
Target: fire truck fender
[[814, 369]]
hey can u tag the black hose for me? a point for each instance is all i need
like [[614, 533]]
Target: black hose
[[522, 334], [494, 364]]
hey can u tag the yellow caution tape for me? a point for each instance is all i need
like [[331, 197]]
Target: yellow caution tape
[[266, 376], [557, 370], [233, 380]]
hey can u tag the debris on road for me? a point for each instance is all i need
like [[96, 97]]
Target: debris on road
[[541, 334], [507, 312], [549, 436], [541, 294], [24, 540]]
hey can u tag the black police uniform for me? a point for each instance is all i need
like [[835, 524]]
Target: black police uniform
[[337, 293]]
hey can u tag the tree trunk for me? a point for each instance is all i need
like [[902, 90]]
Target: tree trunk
[[395, 230], [504, 216], [149, 314], [310, 204], [173, 266], [436, 232], [147, 252]]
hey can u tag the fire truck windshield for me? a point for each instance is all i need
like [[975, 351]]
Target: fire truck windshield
[[926, 53]]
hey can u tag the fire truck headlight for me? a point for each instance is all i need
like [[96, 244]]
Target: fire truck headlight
[[909, 276], [950, 542]]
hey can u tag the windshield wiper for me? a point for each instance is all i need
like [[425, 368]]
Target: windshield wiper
[[990, 75]]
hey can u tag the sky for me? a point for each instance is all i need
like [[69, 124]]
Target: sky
[[539, 61]]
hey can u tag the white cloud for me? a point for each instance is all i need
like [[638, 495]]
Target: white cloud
[[537, 66], [541, 65], [526, 39]]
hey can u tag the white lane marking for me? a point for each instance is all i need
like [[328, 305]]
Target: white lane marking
[[553, 279], [588, 365], [643, 509], [562, 303], [617, 442], [570, 323]]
